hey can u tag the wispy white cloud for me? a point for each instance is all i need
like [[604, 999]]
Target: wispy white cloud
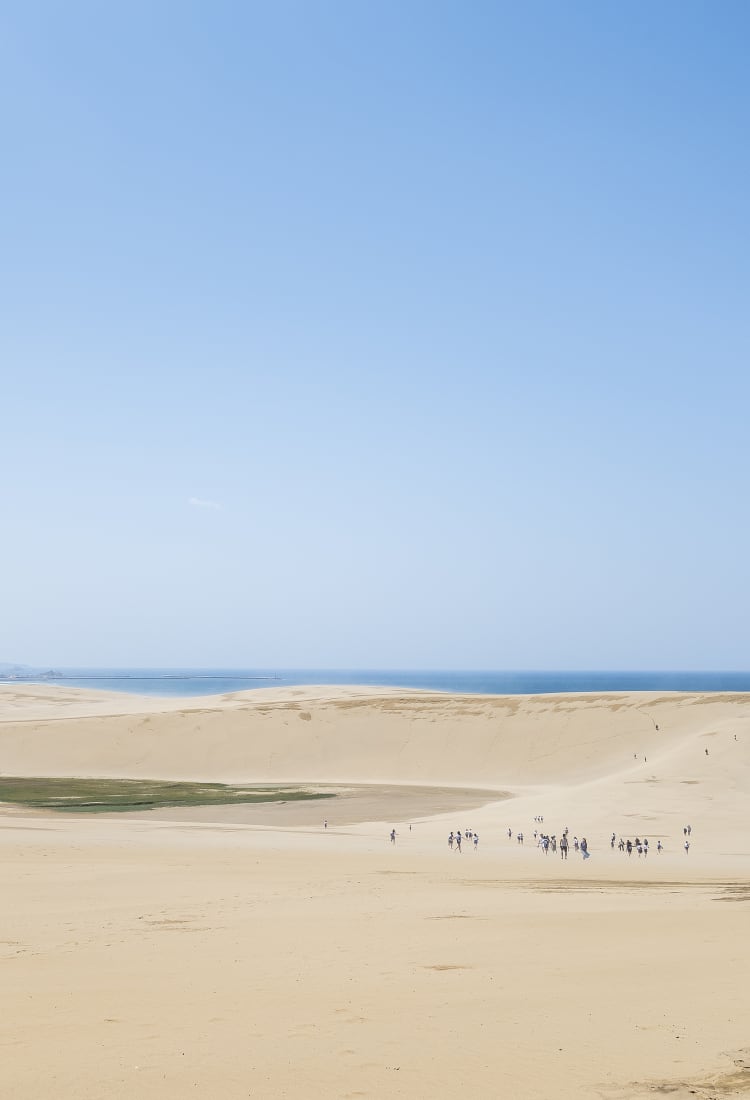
[[196, 502]]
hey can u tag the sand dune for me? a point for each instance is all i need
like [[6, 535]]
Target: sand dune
[[358, 735], [250, 952]]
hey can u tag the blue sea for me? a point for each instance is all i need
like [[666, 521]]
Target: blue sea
[[196, 681]]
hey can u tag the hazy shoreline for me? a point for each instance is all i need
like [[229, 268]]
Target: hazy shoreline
[[196, 682]]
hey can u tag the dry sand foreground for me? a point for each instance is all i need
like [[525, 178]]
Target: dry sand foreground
[[248, 952]]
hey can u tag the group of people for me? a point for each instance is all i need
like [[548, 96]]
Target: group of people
[[642, 846], [455, 840], [637, 845], [548, 842]]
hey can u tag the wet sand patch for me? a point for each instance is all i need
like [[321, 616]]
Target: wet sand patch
[[344, 804]]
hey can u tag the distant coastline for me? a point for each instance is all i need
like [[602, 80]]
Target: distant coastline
[[193, 681]]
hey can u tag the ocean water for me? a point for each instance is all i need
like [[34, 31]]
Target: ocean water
[[185, 682]]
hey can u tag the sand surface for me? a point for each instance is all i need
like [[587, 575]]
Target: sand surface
[[250, 952]]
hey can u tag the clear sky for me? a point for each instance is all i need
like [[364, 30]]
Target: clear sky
[[375, 334]]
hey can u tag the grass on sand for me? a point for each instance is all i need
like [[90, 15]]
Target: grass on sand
[[121, 795]]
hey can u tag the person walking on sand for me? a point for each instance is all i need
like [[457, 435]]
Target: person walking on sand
[[450, 841], [393, 836], [476, 841], [658, 845], [564, 847], [325, 823], [687, 846], [458, 841]]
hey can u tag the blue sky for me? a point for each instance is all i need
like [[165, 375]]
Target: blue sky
[[375, 334]]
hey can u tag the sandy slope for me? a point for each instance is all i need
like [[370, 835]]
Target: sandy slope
[[252, 953]]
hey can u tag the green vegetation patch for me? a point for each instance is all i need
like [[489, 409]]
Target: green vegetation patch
[[97, 796]]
